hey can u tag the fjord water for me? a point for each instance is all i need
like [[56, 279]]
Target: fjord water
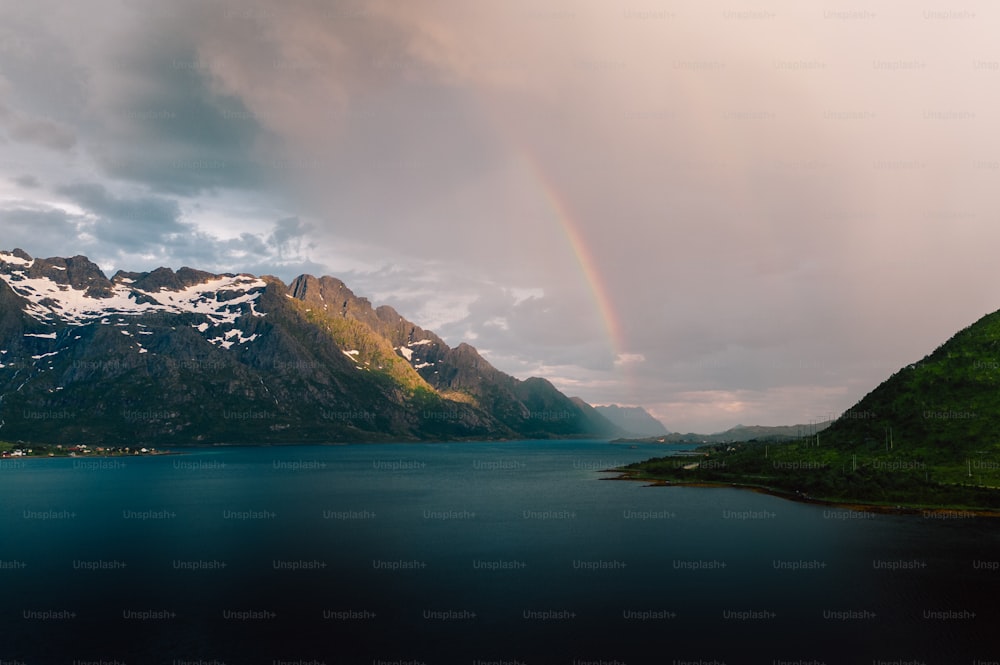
[[465, 553]]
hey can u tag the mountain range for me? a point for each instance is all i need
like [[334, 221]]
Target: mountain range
[[634, 420], [192, 357], [737, 433]]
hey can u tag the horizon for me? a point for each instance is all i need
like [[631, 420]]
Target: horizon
[[720, 216]]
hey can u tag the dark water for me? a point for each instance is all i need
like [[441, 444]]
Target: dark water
[[466, 553]]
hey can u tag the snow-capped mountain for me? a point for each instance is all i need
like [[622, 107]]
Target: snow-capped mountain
[[193, 357]]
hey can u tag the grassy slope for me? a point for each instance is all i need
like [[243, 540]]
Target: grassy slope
[[374, 352], [898, 477], [943, 416]]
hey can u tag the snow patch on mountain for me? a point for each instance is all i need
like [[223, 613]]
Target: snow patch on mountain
[[15, 260], [231, 337], [222, 342], [51, 302]]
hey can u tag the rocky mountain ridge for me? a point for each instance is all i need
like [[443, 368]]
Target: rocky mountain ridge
[[187, 357]]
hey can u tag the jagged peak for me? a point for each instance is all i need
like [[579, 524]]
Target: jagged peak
[[165, 279], [332, 296], [81, 273], [388, 313], [75, 290], [327, 290]]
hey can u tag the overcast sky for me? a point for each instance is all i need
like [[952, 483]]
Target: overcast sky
[[724, 212]]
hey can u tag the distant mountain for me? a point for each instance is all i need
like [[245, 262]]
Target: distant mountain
[[633, 419], [192, 357], [747, 433], [771, 433]]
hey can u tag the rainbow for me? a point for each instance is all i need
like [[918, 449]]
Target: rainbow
[[563, 214]]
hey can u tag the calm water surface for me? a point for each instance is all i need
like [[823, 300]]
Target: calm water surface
[[466, 553]]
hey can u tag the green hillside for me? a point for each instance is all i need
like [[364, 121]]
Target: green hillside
[[943, 408], [929, 436]]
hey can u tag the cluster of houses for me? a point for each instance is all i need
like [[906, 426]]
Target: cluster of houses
[[80, 449], [84, 449]]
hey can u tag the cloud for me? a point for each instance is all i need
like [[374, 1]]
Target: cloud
[[40, 230], [288, 235], [629, 359], [142, 232], [27, 181], [37, 131], [175, 136], [248, 244], [759, 208], [42, 132], [133, 224]]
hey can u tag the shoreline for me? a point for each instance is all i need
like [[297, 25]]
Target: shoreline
[[944, 512], [364, 442], [21, 458]]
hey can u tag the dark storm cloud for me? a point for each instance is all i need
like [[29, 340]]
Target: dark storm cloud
[[132, 223], [40, 231], [162, 124]]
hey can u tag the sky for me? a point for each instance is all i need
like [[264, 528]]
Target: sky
[[723, 212]]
